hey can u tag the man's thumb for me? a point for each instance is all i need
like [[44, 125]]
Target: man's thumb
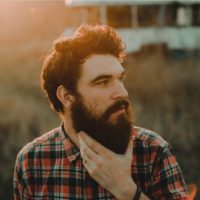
[[129, 150]]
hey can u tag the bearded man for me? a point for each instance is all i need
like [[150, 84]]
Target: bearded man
[[97, 152]]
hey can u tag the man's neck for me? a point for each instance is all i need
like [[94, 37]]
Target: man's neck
[[70, 131]]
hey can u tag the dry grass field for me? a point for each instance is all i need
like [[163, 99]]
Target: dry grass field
[[164, 88]]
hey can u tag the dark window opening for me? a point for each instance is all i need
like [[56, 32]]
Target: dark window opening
[[119, 16], [148, 15]]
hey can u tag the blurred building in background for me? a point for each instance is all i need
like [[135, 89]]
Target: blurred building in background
[[142, 22]]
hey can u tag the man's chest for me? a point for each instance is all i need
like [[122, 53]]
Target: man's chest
[[64, 181]]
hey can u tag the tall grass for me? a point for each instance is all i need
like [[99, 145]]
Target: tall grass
[[165, 92]]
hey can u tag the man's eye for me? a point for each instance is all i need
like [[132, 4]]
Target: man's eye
[[104, 82]]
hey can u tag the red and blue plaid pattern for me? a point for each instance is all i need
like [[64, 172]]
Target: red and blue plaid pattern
[[50, 167]]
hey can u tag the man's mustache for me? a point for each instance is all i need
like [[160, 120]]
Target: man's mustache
[[117, 106]]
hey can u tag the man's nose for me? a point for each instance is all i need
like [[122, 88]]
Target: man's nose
[[119, 91]]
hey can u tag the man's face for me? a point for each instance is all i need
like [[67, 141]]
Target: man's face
[[102, 109]]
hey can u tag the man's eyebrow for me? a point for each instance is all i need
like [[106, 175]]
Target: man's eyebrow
[[104, 76], [101, 77]]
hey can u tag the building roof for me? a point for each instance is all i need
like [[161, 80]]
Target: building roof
[[125, 2], [175, 38]]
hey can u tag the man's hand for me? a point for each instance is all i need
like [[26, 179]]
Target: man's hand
[[112, 171]]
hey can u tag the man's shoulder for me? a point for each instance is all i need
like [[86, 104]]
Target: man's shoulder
[[42, 143], [149, 137]]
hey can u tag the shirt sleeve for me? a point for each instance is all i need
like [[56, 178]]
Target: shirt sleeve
[[167, 181], [19, 183]]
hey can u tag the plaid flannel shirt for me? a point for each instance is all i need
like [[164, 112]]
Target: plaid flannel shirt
[[50, 167]]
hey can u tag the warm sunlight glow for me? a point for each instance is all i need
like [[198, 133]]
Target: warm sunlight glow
[[192, 189], [68, 2]]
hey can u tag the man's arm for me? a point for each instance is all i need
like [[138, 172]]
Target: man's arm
[[112, 171], [167, 181], [19, 185]]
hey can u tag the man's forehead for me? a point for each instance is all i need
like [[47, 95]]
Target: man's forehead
[[97, 65]]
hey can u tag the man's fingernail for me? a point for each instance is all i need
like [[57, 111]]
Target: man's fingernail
[[82, 134], [80, 141], [79, 137]]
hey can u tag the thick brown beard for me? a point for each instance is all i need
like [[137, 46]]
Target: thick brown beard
[[113, 136]]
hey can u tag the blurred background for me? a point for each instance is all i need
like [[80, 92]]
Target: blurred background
[[162, 63]]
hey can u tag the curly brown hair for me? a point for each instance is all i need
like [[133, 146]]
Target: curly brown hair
[[62, 65]]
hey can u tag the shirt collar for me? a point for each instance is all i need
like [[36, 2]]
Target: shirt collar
[[71, 149]]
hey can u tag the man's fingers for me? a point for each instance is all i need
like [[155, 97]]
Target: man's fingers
[[129, 150], [86, 150], [83, 154], [91, 160], [88, 158], [94, 145]]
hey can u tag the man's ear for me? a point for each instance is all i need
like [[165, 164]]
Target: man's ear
[[64, 96]]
